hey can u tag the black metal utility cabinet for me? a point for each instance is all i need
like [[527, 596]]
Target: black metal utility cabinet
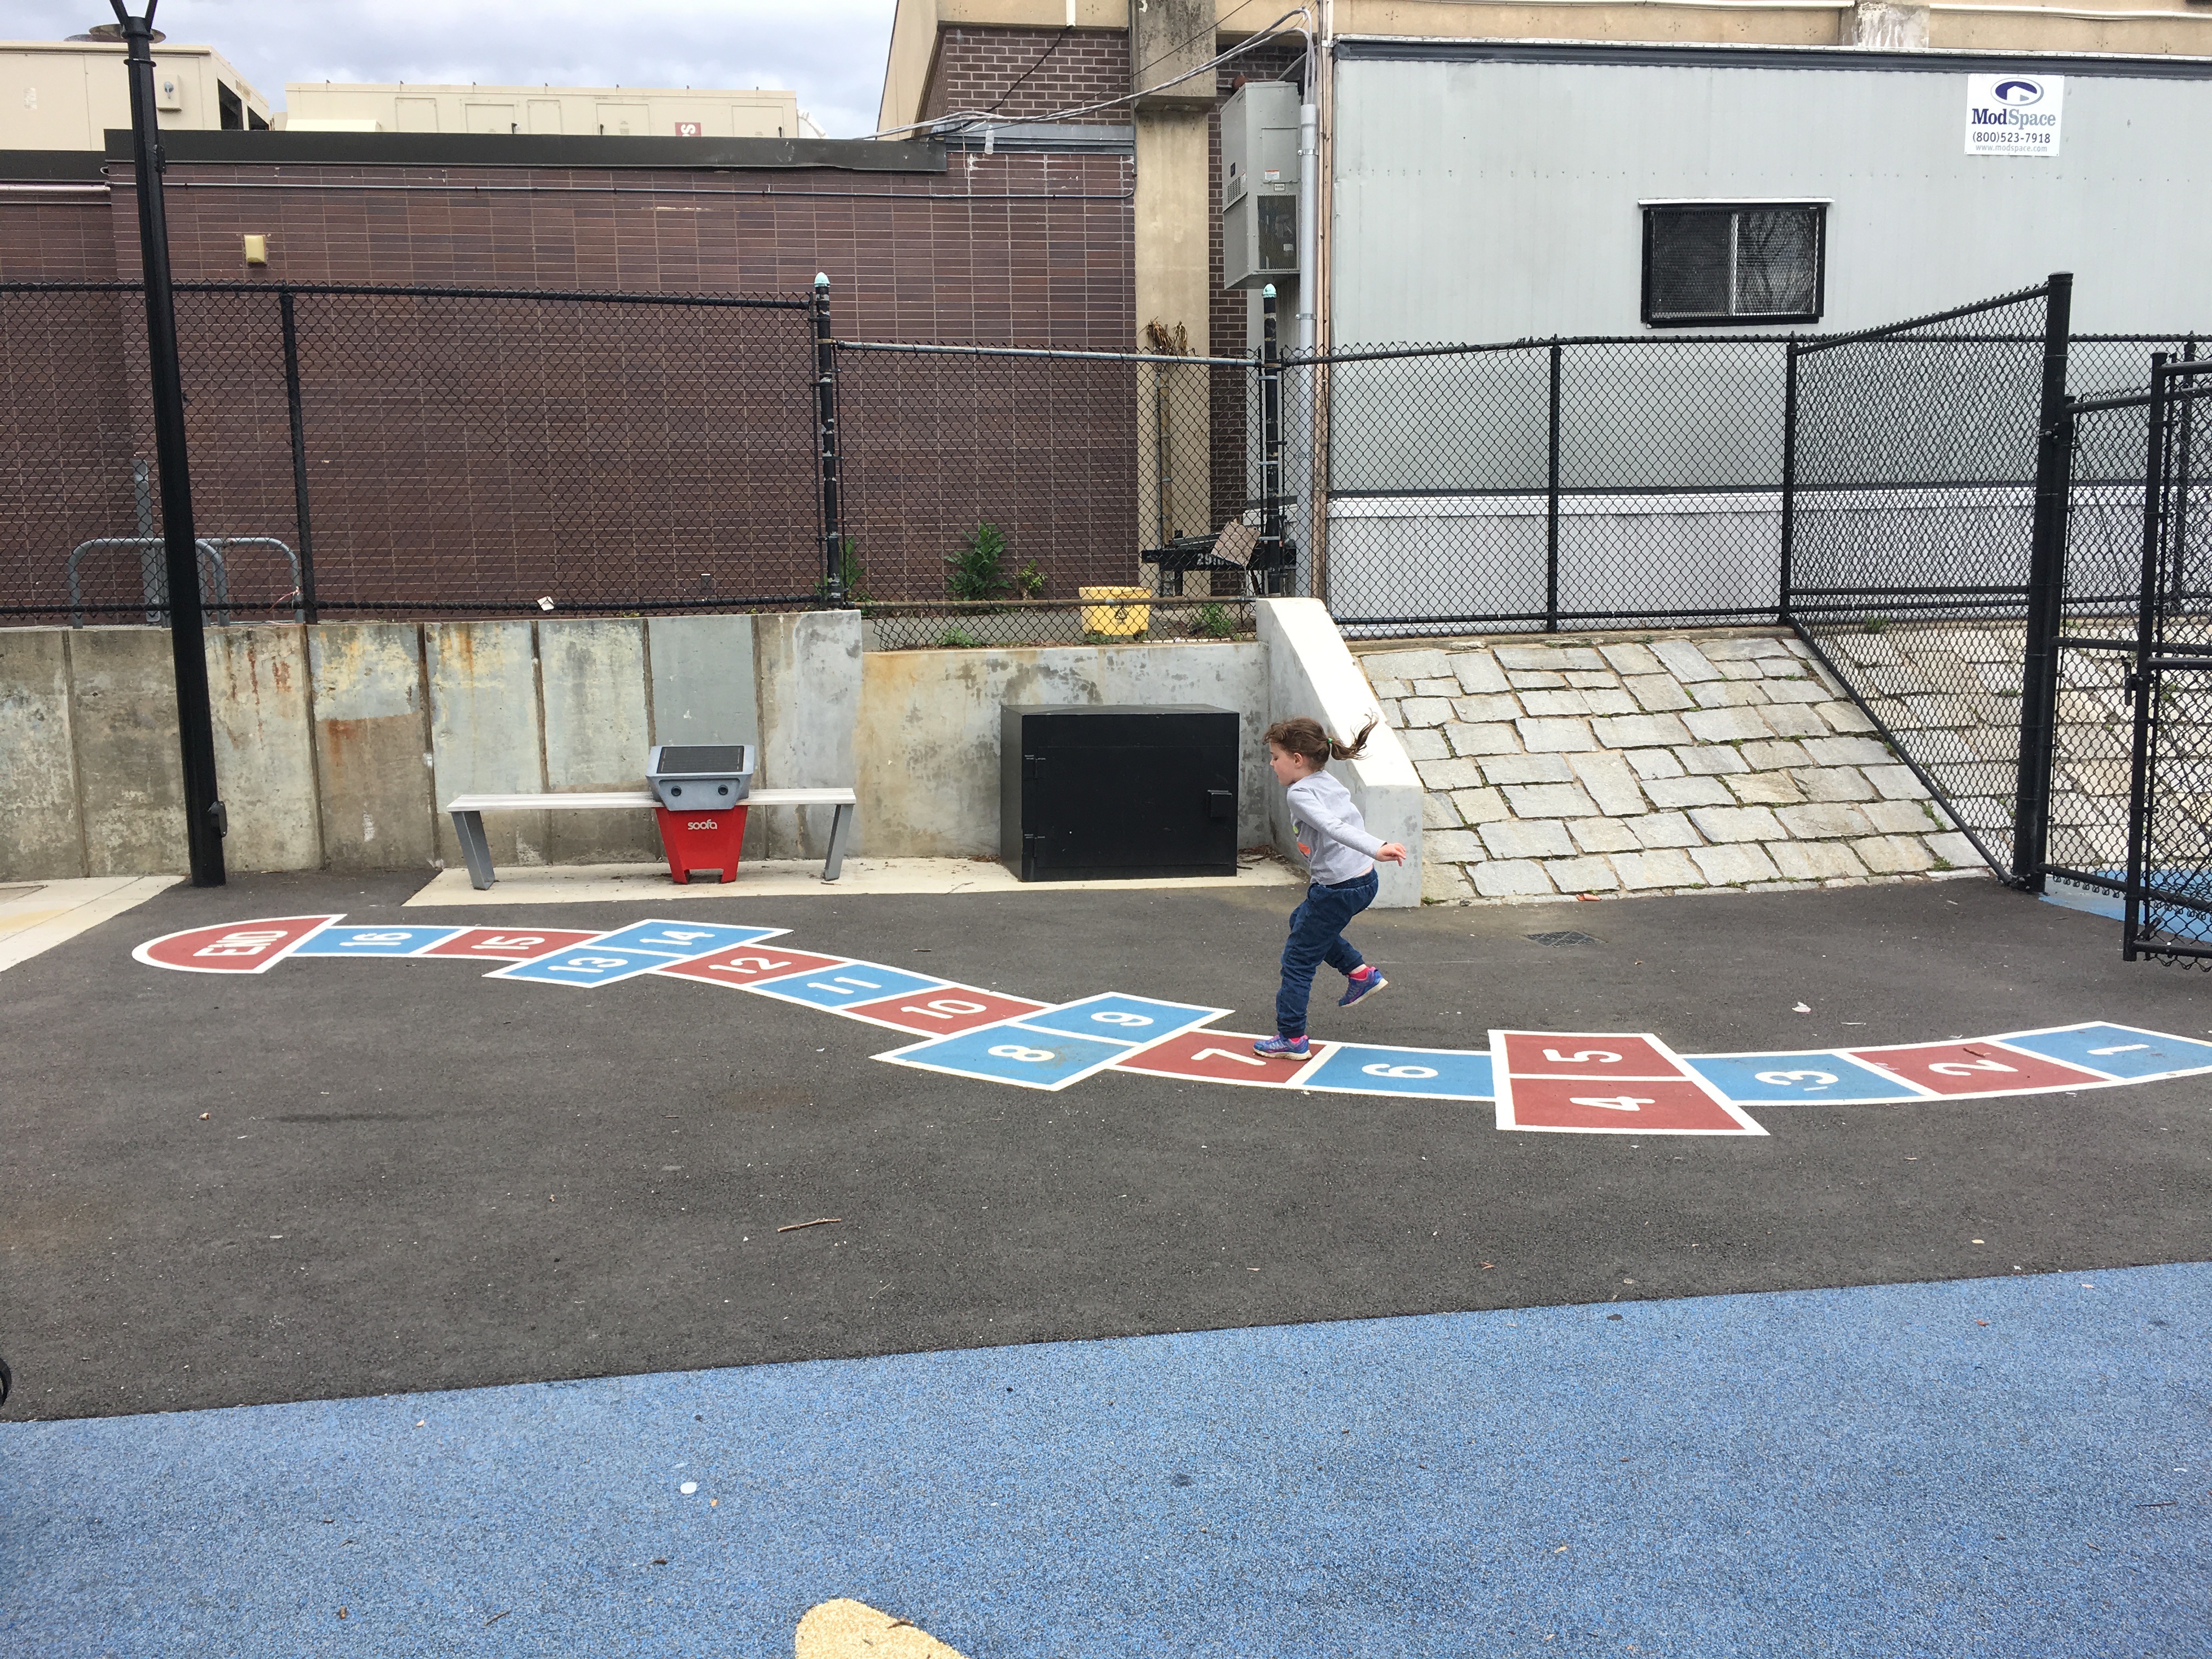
[[1093, 793]]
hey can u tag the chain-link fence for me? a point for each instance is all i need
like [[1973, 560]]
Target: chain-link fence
[[1561, 483], [1965, 559], [2169, 882], [362, 452], [1910, 533], [990, 491]]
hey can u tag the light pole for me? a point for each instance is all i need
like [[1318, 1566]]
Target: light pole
[[205, 819]]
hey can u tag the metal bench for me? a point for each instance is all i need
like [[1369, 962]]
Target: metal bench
[[468, 812]]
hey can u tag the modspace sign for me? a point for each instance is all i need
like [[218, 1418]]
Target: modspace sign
[[2013, 114]]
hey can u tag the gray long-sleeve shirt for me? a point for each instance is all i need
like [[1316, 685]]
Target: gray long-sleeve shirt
[[1335, 842]]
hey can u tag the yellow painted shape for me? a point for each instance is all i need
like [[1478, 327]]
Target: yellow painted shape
[[846, 1629]]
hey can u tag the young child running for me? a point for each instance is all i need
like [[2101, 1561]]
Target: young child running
[[1340, 864]]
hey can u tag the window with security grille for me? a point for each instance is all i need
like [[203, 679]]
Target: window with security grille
[[1735, 262]]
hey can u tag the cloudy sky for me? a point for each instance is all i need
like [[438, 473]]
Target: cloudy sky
[[831, 53]]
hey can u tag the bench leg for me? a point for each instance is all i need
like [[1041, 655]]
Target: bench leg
[[834, 866], [468, 828]]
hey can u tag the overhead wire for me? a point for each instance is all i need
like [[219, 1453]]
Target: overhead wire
[[990, 118]]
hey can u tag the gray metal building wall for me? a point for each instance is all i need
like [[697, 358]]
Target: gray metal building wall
[[1488, 191]]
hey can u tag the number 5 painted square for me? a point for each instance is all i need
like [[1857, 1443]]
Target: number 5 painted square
[[1606, 1083]]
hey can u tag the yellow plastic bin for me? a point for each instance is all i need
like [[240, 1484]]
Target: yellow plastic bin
[[1116, 622]]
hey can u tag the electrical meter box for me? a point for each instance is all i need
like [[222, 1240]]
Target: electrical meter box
[[1092, 792], [1260, 184]]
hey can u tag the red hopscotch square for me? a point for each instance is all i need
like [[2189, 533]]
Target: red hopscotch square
[[1634, 1108], [509, 944], [1583, 1054], [1974, 1068], [748, 964], [943, 1010], [1219, 1057]]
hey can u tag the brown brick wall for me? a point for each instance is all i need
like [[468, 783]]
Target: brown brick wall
[[1010, 248], [491, 451], [56, 239], [979, 69]]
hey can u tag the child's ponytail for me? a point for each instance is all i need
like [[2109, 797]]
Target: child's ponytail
[[1352, 750], [1304, 737]]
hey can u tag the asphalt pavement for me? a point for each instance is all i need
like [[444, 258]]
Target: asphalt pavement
[[346, 1179]]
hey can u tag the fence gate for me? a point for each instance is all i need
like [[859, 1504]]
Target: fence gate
[[2168, 911]]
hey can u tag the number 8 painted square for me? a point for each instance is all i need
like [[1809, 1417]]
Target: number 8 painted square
[[1012, 1054]]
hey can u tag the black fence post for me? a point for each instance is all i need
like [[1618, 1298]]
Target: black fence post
[[2142, 682], [1271, 440], [203, 809], [2047, 580], [1789, 479], [825, 445], [1551, 506], [300, 510]]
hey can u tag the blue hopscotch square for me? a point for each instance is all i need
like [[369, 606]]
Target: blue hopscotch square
[[1018, 1054], [374, 941], [2116, 1050], [845, 985], [1765, 1079], [1359, 1068], [680, 939], [1121, 1018], [588, 965]]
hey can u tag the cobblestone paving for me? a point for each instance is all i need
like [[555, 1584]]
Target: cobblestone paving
[[1667, 766]]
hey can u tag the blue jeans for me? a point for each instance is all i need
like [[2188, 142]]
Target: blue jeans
[[1317, 936]]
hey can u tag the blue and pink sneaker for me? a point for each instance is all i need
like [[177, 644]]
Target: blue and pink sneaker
[[1289, 1048], [1361, 982]]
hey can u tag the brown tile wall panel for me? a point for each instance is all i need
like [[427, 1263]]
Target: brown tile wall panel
[[1028, 72], [69, 434], [1010, 248], [57, 238], [601, 453]]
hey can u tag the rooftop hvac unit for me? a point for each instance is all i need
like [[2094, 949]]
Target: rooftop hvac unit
[[1260, 184]]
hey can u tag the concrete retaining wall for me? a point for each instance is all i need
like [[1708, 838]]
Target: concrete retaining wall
[[335, 745], [929, 742]]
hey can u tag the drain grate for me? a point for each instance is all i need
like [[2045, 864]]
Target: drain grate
[[1555, 940]]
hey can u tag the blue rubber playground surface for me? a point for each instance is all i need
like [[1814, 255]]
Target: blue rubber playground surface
[[2014, 1466]]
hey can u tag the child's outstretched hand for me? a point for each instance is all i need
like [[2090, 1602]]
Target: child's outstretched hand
[[1391, 853]]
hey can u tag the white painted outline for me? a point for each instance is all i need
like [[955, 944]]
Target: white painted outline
[[1401, 1094], [320, 921], [859, 1019], [662, 958], [584, 938], [2118, 1078], [2089, 1079], [1205, 1013], [1229, 1039], [1913, 1099], [901, 1056], [451, 931], [1503, 1079], [766, 987], [747, 984], [1133, 1050]]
